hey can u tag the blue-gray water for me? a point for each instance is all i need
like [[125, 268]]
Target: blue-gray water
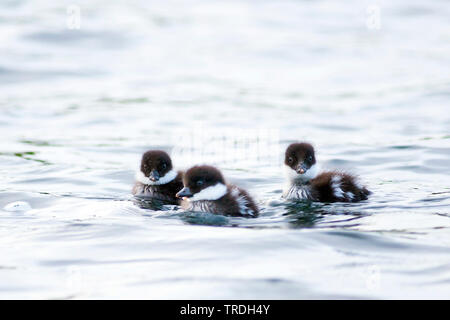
[[229, 83]]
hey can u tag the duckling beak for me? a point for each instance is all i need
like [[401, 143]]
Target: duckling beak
[[184, 193], [301, 169], [154, 175]]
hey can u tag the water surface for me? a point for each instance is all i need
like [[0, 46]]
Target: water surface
[[227, 83]]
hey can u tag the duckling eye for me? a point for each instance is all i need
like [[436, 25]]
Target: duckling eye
[[164, 166], [290, 160], [200, 182], [310, 158]]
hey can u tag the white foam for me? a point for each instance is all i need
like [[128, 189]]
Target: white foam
[[17, 206], [168, 177]]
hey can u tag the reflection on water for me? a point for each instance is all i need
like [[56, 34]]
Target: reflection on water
[[303, 214], [229, 83], [149, 203]]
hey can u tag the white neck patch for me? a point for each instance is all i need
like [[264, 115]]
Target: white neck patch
[[308, 175], [168, 177], [214, 192]]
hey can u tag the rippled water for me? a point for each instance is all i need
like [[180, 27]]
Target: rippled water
[[229, 83]]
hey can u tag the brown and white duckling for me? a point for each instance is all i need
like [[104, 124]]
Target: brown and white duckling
[[305, 181], [205, 190], [157, 179]]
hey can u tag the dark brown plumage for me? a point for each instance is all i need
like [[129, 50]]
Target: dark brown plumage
[[334, 186], [307, 183], [156, 179], [205, 190]]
